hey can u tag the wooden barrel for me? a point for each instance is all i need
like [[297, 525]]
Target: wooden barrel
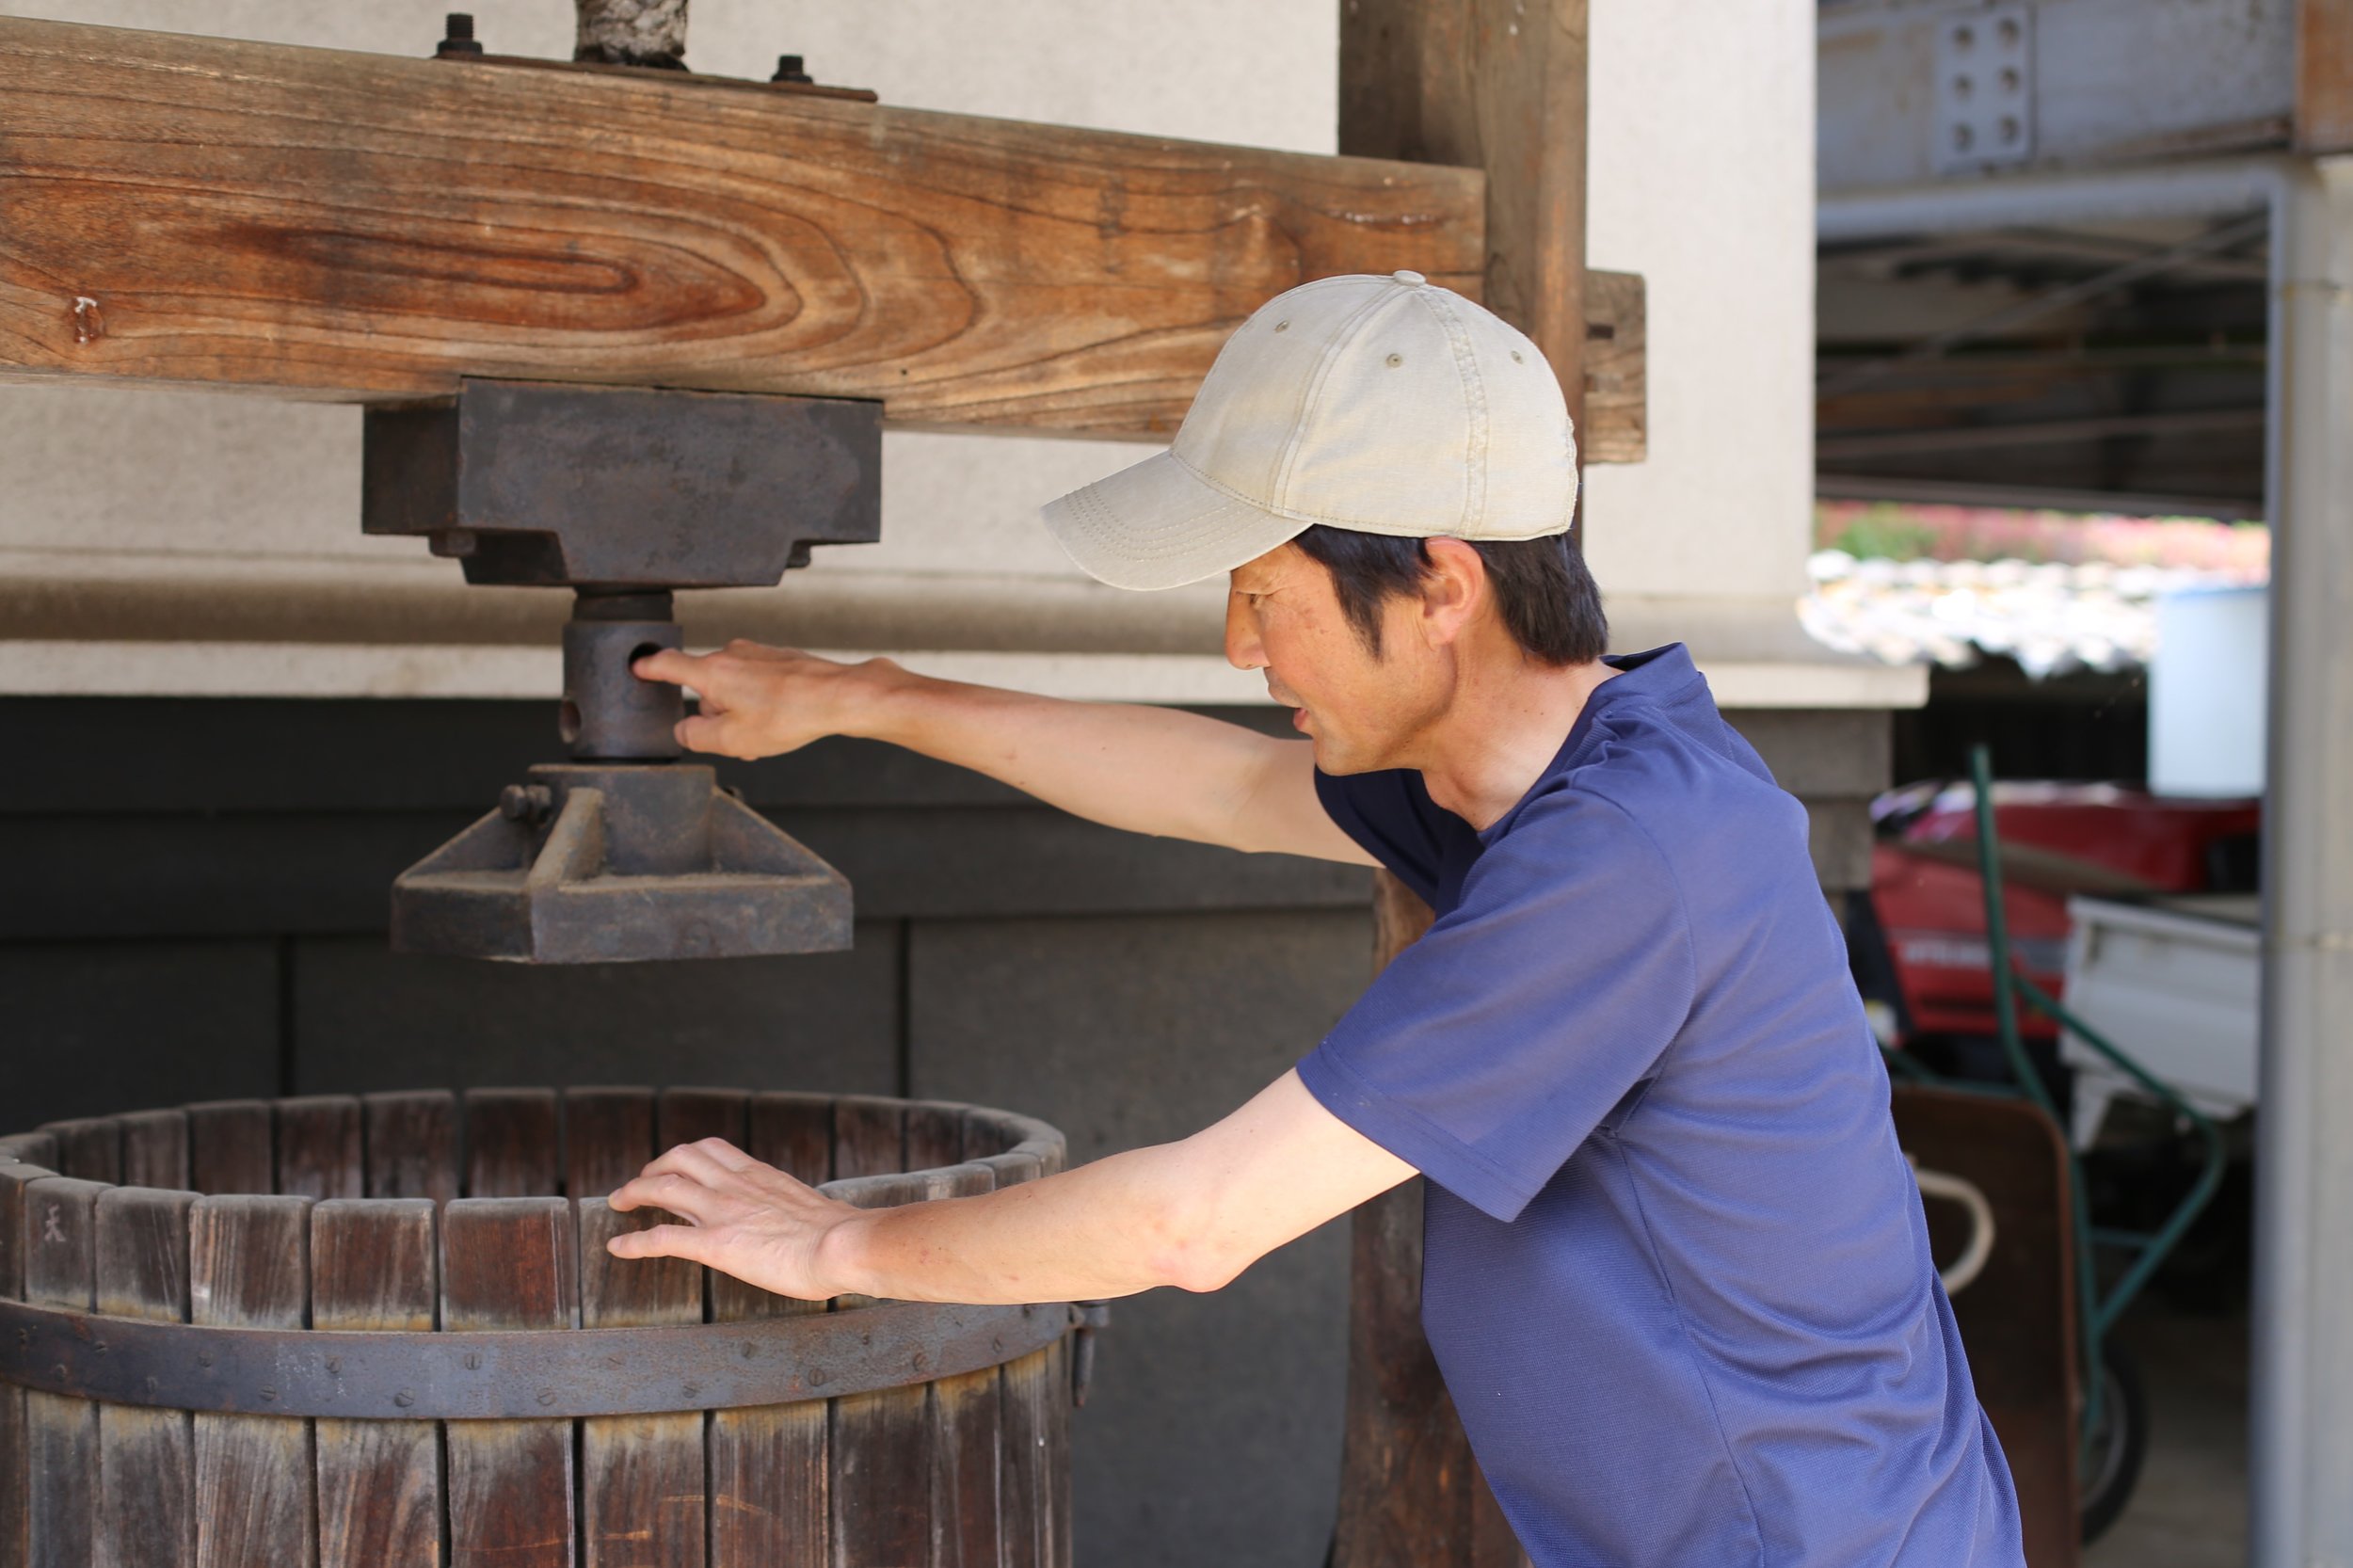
[[383, 1332]]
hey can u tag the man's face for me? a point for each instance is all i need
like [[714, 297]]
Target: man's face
[[1362, 711]]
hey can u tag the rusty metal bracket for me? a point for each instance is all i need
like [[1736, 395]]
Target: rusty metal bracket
[[1091, 1317], [497, 1376]]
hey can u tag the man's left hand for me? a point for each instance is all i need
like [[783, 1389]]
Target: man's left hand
[[742, 1218]]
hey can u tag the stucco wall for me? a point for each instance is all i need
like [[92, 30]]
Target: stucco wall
[[1701, 180]]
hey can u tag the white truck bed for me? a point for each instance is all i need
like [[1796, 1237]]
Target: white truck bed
[[2175, 982]]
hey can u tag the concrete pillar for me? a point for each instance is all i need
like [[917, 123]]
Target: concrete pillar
[[2301, 1463]]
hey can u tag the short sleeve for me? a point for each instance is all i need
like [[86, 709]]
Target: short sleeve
[[1392, 816], [1494, 1045]]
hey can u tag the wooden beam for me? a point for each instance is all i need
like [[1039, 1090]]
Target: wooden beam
[[2324, 77], [358, 227]]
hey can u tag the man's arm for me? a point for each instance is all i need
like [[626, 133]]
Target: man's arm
[[1192, 1214], [1148, 769]]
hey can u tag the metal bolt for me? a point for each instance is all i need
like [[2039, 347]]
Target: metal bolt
[[404, 1398], [525, 803], [457, 37], [789, 69]]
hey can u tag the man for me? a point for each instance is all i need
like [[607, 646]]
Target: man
[[1675, 1272]]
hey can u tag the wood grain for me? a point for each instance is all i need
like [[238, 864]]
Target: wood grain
[[770, 1477], [967, 1428], [18, 1170], [249, 1266], [2324, 77], [373, 1267], [881, 1441], [1029, 1502], [1497, 85], [362, 227], [229, 1146], [412, 1141], [59, 1250], [793, 1132], [510, 1263], [934, 1135], [155, 1149], [869, 1136], [641, 1477], [689, 1115], [146, 1457], [89, 1148], [608, 1137], [318, 1147], [510, 1143], [1616, 427]]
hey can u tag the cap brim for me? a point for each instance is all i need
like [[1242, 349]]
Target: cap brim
[[1158, 525]]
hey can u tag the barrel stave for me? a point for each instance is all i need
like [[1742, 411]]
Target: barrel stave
[[155, 1149], [770, 1482], [229, 1146], [319, 1147], [641, 1477], [146, 1457], [373, 1264], [608, 1137], [411, 1144], [510, 1263], [249, 1266]]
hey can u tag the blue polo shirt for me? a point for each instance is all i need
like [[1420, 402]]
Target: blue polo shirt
[[1675, 1269]]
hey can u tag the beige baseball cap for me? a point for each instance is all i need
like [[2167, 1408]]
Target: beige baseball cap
[[1380, 405]]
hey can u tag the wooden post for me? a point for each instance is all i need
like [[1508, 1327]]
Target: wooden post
[[1495, 85], [1498, 84]]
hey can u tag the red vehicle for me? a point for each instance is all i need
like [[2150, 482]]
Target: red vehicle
[[1918, 937]]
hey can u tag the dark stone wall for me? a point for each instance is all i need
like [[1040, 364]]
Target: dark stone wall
[[193, 897]]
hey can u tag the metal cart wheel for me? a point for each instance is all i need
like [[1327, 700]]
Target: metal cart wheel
[[2114, 1444]]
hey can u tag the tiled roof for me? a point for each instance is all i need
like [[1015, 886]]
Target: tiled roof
[[2051, 617]]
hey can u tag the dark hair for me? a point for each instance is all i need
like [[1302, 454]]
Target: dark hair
[[1547, 599]]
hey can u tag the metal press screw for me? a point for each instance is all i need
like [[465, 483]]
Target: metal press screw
[[789, 69], [457, 37]]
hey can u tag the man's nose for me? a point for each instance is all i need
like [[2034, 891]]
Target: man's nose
[[1243, 650]]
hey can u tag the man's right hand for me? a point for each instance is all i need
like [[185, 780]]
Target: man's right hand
[[1142, 769], [759, 701]]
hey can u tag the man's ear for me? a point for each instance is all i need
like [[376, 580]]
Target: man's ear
[[1451, 591]]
